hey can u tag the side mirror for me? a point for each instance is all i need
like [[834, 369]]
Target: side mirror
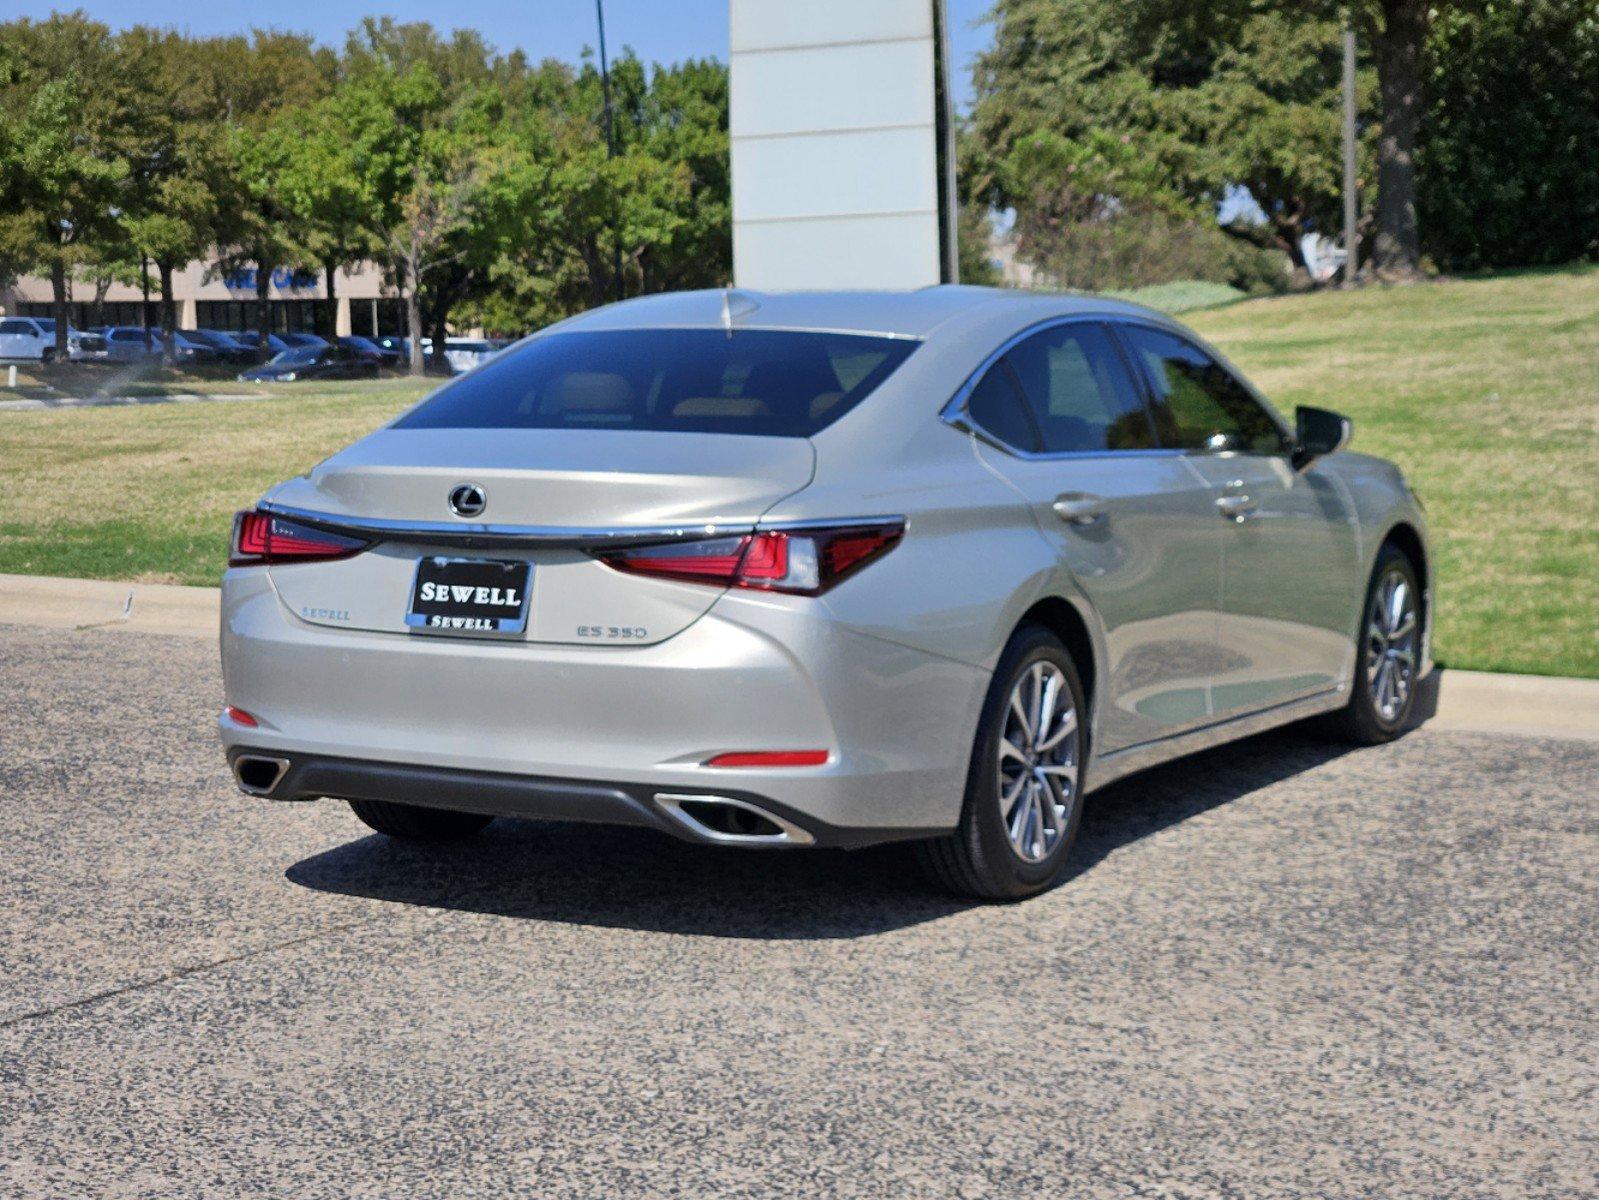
[[1319, 432]]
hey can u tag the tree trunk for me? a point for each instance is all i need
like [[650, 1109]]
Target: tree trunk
[[102, 285], [263, 310], [169, 323], [413, 316], [441, 365], [332, 310], [58, 303], [1397, 250]]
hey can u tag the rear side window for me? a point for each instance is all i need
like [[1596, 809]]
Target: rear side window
[[770, 383], [1079, 392], [999, 409], [1199, 405]]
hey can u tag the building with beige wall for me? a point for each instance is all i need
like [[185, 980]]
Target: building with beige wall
[[209, 298]]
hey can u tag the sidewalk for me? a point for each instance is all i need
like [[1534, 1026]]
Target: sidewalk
[[1534, 705]]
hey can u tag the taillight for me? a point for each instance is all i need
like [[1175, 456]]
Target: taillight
[[805, 562], [260, 537]]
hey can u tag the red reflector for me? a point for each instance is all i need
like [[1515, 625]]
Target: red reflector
[[770, 758], [239, 717]]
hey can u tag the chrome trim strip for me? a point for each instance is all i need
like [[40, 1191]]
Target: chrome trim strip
[[465, 533], [781, 526]]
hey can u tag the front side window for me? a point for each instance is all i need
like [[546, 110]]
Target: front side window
[[15, 327], [1199, 405], [1079, 392], [765, 382]]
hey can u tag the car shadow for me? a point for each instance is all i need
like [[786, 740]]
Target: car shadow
[[639, 879]]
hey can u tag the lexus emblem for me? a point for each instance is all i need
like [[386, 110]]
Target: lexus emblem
[[467, 500]]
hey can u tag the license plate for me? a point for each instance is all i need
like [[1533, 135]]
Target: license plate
[[470, 595]]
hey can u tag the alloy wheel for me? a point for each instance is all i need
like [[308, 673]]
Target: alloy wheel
[[1392, 633], [1038, 765]]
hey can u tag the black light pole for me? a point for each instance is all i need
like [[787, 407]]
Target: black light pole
[[610, 145]]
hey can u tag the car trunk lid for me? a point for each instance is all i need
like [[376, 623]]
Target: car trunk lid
[[549, 496]]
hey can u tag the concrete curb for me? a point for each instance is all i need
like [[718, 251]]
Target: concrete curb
[[102, 604], [1533, 705]]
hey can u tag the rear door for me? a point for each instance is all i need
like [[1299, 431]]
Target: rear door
[[1066, 426], [1289, 539]]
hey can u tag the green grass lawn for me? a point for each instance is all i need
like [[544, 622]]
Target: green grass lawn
[[147, 493], [1485, 390]]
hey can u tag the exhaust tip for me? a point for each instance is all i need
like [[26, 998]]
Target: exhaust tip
[[258, 774], [731, 822]]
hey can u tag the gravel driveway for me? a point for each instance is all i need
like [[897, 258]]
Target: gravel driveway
[[1279, 970]]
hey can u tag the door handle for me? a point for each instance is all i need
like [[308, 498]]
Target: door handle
[[1239, 506], [1079, 508]]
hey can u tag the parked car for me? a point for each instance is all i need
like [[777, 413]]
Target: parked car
[[465, 353], [388, 357], [33, 339], [90, 347], [226, 348], [126, 343], [303, 338], [250, 339], [314, 362], [841, 569]]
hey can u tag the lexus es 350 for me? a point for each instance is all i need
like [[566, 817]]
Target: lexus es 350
[[818, 570]]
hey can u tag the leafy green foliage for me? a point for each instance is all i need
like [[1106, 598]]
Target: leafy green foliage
[[479, 182], [1508, 163], [1116, 135]]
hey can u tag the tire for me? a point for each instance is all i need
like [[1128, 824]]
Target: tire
[[980, 860], [408, 823], [1366, 721], [47, 356]]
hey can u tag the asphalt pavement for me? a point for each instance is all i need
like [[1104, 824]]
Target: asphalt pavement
[[1278, 969]]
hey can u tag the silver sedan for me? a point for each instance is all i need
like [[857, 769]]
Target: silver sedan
[[818, 569]]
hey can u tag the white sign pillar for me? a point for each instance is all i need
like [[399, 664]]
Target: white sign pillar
[[835, 129]]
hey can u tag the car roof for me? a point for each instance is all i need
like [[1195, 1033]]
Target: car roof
[[914, 314]]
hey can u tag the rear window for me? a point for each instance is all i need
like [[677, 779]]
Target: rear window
[[771, 383]]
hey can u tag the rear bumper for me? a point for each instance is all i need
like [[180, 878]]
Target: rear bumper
[[532, 729], [314, 777]]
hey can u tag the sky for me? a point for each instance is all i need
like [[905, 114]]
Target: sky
[[659, 30]]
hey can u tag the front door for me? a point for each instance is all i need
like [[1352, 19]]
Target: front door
[[1133, 525], [1289, 540]]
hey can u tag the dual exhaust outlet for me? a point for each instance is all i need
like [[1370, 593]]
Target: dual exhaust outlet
[[722, 820]]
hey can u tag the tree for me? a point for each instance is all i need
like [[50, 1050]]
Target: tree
[[1096, 122], [1509, 176], [264, 87], [170, 203], [1396, 31], [322, 187], [71, 105]]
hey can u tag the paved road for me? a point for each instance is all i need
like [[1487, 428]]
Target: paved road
[[1277, 971]]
